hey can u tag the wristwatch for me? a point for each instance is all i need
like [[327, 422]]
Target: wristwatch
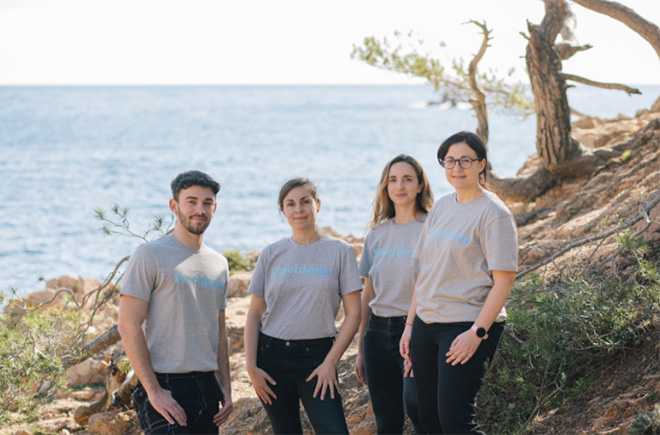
[[479, 332]]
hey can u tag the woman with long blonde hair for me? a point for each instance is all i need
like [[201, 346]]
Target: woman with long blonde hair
[[402, 202]]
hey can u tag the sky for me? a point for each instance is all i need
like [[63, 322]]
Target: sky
[[154, 42]]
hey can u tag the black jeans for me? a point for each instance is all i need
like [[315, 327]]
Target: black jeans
[[289, 363], [447, 394], [389, 391], [198, 393]]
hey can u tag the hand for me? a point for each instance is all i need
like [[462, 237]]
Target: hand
[[327, 380], [226, 407], [260, 380], [359, 369], [462, 348], [404, 343], [407, 369], [163, 402]]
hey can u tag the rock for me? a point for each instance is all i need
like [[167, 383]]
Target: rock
[[86, 394], [114, 423], [587, 122], [656, 106], [53, 425], [238, 284], [253, 256], [78, 285], [90, 371]]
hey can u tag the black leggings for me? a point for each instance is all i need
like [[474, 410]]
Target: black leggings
[[447, 394]]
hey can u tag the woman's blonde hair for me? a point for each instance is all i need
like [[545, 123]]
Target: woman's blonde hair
[[383, 205]]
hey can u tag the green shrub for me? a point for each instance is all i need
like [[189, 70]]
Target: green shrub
[[237, 261], [555, 330], [32, 344], [646, 422]]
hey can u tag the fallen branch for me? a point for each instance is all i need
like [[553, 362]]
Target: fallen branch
[[642, 215], [105, 340]]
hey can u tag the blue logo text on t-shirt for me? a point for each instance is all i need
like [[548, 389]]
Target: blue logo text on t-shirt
[[400, 251], [304, 270], [450, 235], [198, 280]]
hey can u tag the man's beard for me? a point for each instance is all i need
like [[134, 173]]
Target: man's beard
[[197, 229]]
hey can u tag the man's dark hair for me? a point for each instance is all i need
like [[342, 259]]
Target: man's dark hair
[[193, 178]]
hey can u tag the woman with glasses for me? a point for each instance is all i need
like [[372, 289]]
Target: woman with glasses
[[468, 254], [402, 203], [291, 343]]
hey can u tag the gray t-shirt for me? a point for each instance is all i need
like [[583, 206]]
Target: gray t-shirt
[[186, 290], [387, 260], [459, 246], [303, 286]]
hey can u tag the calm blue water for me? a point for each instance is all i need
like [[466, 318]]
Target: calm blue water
[[67, 150]]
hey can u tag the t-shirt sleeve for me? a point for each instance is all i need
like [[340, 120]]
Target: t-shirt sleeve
[[258, 281], [367, 257], [223, 299], [140, 275], [500, 244], [349, 276]]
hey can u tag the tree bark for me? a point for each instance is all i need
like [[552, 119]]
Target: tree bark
[[522, 189], [627, 16], [478, 100], [105, 340], [593, 83], [566, 50], [556, 148]]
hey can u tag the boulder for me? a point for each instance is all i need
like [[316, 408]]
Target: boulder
[[90, 371], [238, 284], [114, 423], [53, 425]]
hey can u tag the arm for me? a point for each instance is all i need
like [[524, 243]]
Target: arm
[[466, 344], [404, 343], [223, 372], [259, 378], [132, 314], [367, 295], [326, 372]]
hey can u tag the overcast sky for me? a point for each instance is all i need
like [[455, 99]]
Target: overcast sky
[[284, 41]]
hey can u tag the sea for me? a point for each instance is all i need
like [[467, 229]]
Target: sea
[[66, 152]]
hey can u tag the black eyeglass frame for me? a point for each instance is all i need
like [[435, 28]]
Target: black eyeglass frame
[[442, 162]]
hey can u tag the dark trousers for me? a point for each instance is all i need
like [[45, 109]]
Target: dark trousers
[[389, 391], [447, 394], [198, 393], [289, 363]]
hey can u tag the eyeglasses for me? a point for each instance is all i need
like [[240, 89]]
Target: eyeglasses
[[463, 162]]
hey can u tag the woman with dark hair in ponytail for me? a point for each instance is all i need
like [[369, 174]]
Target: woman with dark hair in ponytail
[[468, 254]]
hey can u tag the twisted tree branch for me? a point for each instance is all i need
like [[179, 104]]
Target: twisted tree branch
[[596, 84]]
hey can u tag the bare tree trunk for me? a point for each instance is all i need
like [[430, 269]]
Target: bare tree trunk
[[555, 146], [479, 99], [627, 16]]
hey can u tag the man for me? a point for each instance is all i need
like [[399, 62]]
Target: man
[[175, 286]]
